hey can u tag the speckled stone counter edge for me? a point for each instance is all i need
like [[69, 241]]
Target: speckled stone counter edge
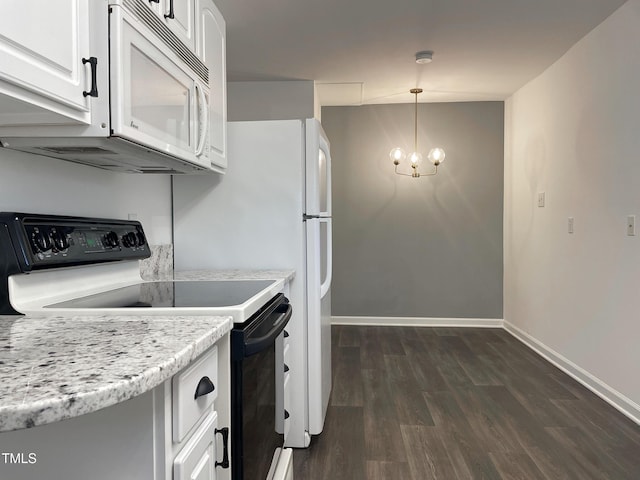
[[27, 414]]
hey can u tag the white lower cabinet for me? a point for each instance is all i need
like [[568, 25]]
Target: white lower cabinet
[[112, 443], [193, 393], [197, 460], [134, 439], [195, 425]]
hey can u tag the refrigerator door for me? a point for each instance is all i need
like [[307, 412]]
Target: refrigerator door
[[318, 170], [319, 258]]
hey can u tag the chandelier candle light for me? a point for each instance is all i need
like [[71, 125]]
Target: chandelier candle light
[[436, 155]]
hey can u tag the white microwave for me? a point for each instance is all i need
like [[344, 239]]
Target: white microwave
[[149, 101]]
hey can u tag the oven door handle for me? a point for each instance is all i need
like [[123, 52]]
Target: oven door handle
[[280, 319]]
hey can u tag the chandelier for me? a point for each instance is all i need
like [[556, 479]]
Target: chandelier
[[398, 155]]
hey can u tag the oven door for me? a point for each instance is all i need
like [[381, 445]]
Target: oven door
[[254, 438], [156, 99]]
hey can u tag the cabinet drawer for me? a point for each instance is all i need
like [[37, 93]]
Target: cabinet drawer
[[190, 398], [197, 459]]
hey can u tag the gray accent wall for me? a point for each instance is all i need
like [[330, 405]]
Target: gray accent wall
[[426, 247]]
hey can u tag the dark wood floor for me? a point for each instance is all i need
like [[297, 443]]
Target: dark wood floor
[[448, 403]]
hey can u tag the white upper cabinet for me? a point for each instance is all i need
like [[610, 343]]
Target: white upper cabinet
[[211, 48], [42, 75], [179, 16], [126, 85]]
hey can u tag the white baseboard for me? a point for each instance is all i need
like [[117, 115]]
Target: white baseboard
[[623, 404], [418, 322]]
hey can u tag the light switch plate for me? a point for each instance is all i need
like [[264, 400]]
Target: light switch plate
[[541, 199], [631, 225]]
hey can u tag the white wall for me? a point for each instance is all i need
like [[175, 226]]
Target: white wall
[[34, 184], [280, 100], [574, 132]]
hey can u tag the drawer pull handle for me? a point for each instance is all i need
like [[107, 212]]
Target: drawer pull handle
[[286, 334], [225, 446], [286, 368], [205, 387], [286, 415]]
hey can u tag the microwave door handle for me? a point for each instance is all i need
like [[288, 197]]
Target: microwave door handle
[[171, 13], [203, 126]]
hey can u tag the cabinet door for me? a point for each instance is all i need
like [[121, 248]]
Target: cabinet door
[[180, 18], [211, 48], [42, 45], [197, 460]]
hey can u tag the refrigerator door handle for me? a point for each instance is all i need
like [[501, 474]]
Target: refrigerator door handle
[[326, 284]]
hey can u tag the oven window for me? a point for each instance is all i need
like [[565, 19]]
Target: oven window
[[258, 414]]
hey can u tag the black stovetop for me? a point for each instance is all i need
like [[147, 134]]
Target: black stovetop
[[193, 293]]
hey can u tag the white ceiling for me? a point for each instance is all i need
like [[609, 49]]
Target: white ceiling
[[483, 49]]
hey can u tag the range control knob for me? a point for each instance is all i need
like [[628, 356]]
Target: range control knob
[[59, 240], [130, 240], [111, 239], [141, 239], [41, 241]]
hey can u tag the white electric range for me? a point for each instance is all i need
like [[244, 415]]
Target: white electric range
[[76, 266], [87, 266]]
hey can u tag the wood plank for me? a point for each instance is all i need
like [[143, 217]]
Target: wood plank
[[598, 425], [426, 373], [471, 364], [533, 438], [338, 453], [485, 421], [349, 336], [390, 341], [530, 375], [371, 355], [600, 412], [411, 408], [413, 340], [427, 453], [382, 438], [592, 457], [347, 380], [448, 415], [387, 470], [441, 353], [517, 466]]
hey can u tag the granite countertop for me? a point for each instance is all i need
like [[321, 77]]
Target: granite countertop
[[286, 275], [54, 368]]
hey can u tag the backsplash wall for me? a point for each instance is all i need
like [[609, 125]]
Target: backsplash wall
[[31, 183]]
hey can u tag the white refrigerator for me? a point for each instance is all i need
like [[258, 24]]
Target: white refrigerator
[[272, 210]]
